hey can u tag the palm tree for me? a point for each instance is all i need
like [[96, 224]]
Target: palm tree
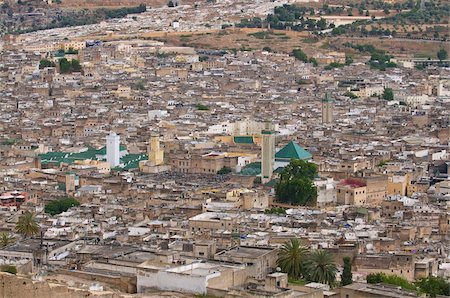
[[291, 257], [320, 267], [6, 239], [27, 225]]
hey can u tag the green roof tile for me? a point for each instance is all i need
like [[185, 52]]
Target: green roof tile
[[293, 151], [243, 140], [252, 169]]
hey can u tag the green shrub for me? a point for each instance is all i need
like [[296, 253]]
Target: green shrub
[[9, 268], [60, 206]]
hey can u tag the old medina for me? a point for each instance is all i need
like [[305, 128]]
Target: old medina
[[266, 148]]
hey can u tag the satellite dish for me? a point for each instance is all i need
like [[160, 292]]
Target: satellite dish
[[278, 269]]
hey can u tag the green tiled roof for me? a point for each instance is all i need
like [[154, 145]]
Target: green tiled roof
[[67, 157], [129, 161], [252, 169], [293, 151], [243, 140], [102, 151]]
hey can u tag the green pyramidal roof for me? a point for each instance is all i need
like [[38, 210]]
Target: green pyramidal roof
[[293, 151]]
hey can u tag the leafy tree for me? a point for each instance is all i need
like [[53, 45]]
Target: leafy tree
[[6, 239], [391, 279], [322, 24], [68, 67], [434, 286], [59, 206], [442, 54], [46, 63], [267, 49], [291, 257], [300, 55], [9, 268], [64, 66], [320, 267], [313, 61], [348, 60], [346, 276], [296, 185], [27, 225], [75, 65], [388, 94], [224, 170]]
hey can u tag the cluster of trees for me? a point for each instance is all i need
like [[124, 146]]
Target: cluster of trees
[[435, 12], [85, 17], [68, 67], [378, 59], [300, 55], [46, 63], [431, 285], [287, 16], [296, 185], [60, 206], [300, 263]]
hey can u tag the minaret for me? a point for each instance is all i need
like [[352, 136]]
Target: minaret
[[113, 149], [155, 153], [267, 153], [327, 109]]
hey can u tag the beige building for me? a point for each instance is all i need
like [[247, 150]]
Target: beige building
[[351, 192]]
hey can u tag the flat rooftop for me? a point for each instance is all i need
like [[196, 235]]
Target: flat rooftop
[[244, 252]]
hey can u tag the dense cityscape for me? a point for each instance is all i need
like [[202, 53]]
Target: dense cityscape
[[224, 148]]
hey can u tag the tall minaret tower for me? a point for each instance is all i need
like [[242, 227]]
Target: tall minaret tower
[[327, 109], [267, 153], [155, 153], [113, 149]]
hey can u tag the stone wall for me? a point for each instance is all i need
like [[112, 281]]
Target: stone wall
[[15, 286]]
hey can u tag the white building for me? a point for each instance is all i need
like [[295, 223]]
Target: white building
[[113, 149], [193, 278]]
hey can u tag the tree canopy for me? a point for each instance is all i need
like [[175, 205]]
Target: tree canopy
[[27, 224], [68, 67], [296, 183], [300, 55], [347, 276], [320, 267], [291, 257], [442, 54], [388, 94], [59, 206]]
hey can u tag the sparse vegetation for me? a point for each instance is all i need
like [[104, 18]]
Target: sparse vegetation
[[202, 107], [224, 170], [275, 210]]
